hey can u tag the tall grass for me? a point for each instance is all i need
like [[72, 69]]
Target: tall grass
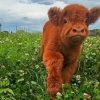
[[23, 76]]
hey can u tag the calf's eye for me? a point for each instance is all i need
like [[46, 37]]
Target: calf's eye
[[65, 20]]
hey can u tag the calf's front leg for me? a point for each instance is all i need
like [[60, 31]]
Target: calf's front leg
[[68, 72], [53, 62]]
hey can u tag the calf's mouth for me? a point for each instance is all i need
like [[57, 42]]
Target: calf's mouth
[[78, 39]]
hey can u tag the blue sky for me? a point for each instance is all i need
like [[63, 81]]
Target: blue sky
[[32, 14]]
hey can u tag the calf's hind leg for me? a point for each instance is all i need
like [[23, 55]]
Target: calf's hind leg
[[53, 62]]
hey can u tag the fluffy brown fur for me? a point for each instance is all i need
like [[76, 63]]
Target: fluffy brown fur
[[62, 38]]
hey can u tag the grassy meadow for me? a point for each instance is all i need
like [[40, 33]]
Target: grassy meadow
[[23, 76]]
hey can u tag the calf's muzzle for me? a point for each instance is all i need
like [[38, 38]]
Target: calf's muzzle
[[76, 39]]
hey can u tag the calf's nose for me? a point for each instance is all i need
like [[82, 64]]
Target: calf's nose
[[78, 30]]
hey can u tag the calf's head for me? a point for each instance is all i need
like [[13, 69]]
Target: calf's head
[[73, 22]]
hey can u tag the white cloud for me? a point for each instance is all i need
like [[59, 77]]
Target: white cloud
[[14, 10], [95, 25]]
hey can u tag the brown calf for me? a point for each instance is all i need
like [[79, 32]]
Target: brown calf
[[63, 36]]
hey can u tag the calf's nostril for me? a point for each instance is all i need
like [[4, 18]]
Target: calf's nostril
[[82, 30], [74, 30]]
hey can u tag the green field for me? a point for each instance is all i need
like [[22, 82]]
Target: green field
[[23, 76]]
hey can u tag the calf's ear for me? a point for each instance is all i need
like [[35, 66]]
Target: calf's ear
[[94, 15], [54, 15]]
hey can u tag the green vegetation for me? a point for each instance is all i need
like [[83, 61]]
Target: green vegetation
[[23, 76]]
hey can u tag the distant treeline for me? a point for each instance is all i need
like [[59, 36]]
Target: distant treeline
[[94, 32], [18, 32], [91, 32]]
